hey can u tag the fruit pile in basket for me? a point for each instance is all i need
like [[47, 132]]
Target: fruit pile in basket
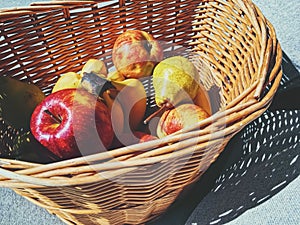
[[94, 110]]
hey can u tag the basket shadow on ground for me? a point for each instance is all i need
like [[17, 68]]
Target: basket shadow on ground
[[257, 163]]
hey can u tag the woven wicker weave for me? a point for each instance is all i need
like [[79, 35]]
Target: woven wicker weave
[[40, 42]]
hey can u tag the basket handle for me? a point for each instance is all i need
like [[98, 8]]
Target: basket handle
[[121, 2]]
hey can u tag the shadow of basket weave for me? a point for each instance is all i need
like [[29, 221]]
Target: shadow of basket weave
[[269, 163], [256, 164]]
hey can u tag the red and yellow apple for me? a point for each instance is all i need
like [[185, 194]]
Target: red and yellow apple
[[135, 53], [180, 117], [71, 123]]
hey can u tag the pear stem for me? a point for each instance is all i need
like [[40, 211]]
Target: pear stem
[[162, 108], [54, 117]]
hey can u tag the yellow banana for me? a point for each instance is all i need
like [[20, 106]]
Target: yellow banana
[[202, 100], [116, 112], [133, 99], [67, 80], [115, 76], [94, 66]]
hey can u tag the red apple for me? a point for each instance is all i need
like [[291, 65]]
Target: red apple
[[71, 123], [135, 53], [144, 137], [180, 117], [126, 139]]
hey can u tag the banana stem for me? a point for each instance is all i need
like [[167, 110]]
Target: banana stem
[[112, 93]]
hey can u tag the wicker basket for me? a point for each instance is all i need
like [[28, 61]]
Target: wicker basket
[[134, 184]]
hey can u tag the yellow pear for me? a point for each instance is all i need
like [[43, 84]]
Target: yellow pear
[[18, 99], [175, 80]]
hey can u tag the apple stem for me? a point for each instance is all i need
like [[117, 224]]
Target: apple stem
[[57, 119], [161, 109]]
